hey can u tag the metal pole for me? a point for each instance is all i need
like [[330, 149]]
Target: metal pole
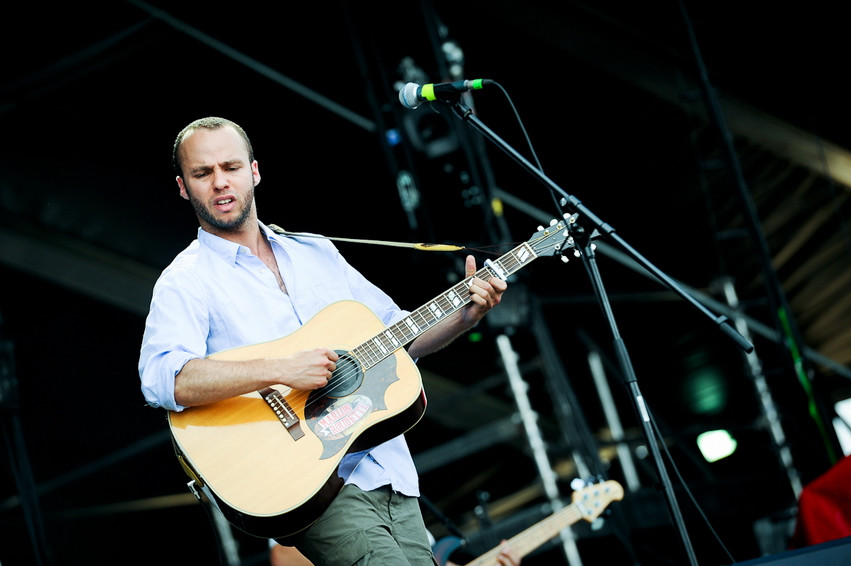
[[530, 424]]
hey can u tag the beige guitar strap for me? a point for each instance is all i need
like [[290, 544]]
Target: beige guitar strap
[[426, 247]]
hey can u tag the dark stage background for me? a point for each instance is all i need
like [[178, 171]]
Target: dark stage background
[[719, 156]]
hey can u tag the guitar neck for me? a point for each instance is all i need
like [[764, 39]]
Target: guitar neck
[[533, 537], [438, 309]]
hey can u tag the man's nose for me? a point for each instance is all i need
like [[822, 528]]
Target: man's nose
[[220, 179]]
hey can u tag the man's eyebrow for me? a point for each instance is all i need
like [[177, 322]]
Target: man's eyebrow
[[205, 167]]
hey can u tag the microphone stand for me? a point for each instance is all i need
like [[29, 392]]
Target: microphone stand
[[583, 237]]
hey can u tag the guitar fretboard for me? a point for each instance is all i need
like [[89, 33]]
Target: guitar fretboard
[[419, 321]]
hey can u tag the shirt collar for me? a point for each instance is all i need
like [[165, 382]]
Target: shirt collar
[[227, 249]]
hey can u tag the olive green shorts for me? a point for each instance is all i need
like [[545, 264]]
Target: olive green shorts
[[377, 528]]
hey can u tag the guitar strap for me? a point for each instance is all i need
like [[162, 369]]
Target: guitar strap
[[418, 246]]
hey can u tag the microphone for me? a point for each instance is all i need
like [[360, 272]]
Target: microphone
[[412, 94]]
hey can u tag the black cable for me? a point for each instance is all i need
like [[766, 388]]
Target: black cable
[[528, 141], [685, 485]]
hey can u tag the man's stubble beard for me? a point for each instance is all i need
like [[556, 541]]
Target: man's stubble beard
[[206, 215]]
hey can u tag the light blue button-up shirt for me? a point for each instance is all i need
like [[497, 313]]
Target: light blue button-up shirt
[[216, 295]]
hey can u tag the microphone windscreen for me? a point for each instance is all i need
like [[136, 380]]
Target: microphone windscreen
[[408, 96]]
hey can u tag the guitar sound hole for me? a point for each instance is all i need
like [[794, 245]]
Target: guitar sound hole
[[346, 379]]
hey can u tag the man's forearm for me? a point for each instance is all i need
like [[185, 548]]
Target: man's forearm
[[439, 337], [203, 380]]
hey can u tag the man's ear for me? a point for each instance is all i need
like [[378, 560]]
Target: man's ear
[[255, 172], [180, 184]]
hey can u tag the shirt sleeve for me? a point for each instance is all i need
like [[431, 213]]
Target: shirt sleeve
[[175, 332]]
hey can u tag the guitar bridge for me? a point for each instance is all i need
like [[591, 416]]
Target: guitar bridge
[[283, 411]]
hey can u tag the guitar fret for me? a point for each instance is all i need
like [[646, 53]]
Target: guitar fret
[[510, 263], [416, 322], [377, 341], [363, 354], [515, 259], [374, 355], [435, 310], [391, 338], [422, 319], [412, 326], [431, 315], [427, 318]]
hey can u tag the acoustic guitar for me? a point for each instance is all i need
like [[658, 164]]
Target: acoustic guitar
[[270, 458]]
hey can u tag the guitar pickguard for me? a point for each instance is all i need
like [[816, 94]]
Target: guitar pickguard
[[333, 417]]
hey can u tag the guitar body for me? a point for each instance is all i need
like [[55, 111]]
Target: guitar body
[[272, 480]]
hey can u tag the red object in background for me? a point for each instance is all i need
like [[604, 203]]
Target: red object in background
[[824, 508]]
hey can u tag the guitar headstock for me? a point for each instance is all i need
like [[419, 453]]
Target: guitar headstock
[[553, 239], [594, 499]]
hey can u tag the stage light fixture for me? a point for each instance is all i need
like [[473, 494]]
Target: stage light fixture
[[842, 424], [704, 386], [716, 445]]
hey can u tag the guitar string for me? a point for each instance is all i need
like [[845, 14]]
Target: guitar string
[[343, 377], [536, 535], [373, 353], [443, 303], [509, 263]]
